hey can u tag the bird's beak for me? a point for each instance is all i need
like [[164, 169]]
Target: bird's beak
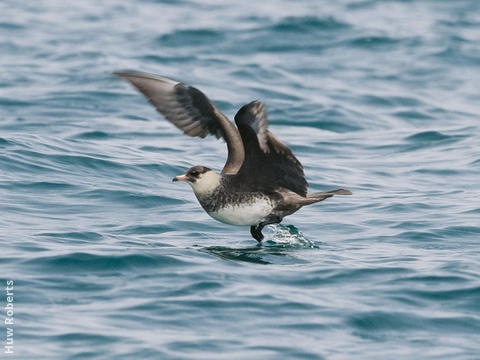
[[182, 177]]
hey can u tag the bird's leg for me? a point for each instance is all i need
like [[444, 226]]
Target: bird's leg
[[256, 230]]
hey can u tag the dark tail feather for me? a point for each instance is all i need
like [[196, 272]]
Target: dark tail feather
[[319, 196], [334, 192]]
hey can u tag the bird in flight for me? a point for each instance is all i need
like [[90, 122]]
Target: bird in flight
[[261, 182]]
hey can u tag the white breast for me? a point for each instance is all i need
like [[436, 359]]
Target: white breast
[[251, 213]]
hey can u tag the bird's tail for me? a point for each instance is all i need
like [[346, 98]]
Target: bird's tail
[[319, 196]]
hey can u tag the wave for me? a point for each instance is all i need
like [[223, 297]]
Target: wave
[[308, 23], [81, 261]]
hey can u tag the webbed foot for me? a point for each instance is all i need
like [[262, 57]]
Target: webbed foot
[[256, 231]]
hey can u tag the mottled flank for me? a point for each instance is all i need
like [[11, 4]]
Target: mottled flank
[[254, 209], [111, 260], [215, 201]]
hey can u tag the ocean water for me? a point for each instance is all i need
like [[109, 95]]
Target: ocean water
[[111, 260]]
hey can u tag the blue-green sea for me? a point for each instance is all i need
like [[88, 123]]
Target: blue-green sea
[[111, 260]]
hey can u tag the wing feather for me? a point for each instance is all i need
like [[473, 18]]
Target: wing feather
[[268, 164], [191, 111]]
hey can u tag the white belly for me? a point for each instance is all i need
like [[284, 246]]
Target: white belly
[[244, 214]]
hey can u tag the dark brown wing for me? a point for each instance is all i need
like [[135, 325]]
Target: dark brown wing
[[268, 163], [191, 111]]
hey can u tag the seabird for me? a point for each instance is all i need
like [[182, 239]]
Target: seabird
[[261, 182]]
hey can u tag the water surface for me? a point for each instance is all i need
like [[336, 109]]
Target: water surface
[[112, 261]]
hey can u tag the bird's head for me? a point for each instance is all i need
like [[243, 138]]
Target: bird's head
[[202, 179]]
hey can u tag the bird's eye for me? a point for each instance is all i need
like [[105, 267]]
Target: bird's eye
[[194, 173]]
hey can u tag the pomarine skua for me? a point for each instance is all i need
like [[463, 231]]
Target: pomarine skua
[[261, 182]]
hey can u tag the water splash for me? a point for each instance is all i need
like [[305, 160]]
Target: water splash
[[288, 236]]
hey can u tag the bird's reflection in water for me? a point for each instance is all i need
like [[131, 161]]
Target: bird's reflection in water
[[279, 247], [254, 254]]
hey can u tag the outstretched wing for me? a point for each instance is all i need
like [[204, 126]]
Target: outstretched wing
[[191, 111], [268, 163]]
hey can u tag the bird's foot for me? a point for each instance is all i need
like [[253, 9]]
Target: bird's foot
[[256, 231]]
